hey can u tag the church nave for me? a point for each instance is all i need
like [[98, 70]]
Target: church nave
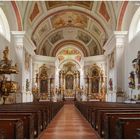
[[69, 124]]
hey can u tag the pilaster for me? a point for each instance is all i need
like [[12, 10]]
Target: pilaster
[[121, 42], [18, 37], [115, 46]]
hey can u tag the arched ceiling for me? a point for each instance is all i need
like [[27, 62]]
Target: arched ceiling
[[89, 23]]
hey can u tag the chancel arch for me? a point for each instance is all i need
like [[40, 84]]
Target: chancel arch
[[69, 63]]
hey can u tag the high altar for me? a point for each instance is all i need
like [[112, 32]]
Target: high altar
[[69, 80]]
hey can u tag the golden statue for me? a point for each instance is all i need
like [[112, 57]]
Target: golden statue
[[5, 53]]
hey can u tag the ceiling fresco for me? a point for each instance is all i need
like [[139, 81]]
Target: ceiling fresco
[[35, 12], [94, 50], [70, 35], [90, 23], [45, 50], [96, 30], [69, 19], [69, 53], [54, 4], [56, 37], [41, 31], [83, 37], [103, 11]]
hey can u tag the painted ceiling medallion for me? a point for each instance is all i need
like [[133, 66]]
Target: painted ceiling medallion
[[69, 19]]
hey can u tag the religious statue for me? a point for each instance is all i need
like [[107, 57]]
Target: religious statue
[[27, 85], [132, 82], [5, 54], [36, 80], [110, 84], [136, 65], [59, 91]]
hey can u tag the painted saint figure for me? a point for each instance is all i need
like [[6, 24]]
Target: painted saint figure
[[69, 82]]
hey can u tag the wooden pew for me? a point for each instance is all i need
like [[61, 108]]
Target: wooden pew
[[42, 121], [11, 129], [43, 112], [138, 133], [89, 109], [94, 111], [109, 106], [51, 109], [126, 128], [47, 115], [37, 118], [101, 116], [28, 122], [112, 118]]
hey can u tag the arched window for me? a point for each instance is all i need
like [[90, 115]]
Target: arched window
[[138, 26], [4, 26], [135, 25]]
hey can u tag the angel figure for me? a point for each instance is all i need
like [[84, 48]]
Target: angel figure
[[5, 53]]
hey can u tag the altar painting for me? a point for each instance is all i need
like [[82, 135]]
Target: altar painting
[[69, 81], [43, 86]]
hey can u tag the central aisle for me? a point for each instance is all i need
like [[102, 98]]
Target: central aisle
[[69, 124]]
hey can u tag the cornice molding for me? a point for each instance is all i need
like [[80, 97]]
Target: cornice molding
[[117, 39], [18, 37]]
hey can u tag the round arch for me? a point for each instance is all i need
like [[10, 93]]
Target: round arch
[[4, 26], [72, 46], [64, 43], [133, 25], [69, 60]]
